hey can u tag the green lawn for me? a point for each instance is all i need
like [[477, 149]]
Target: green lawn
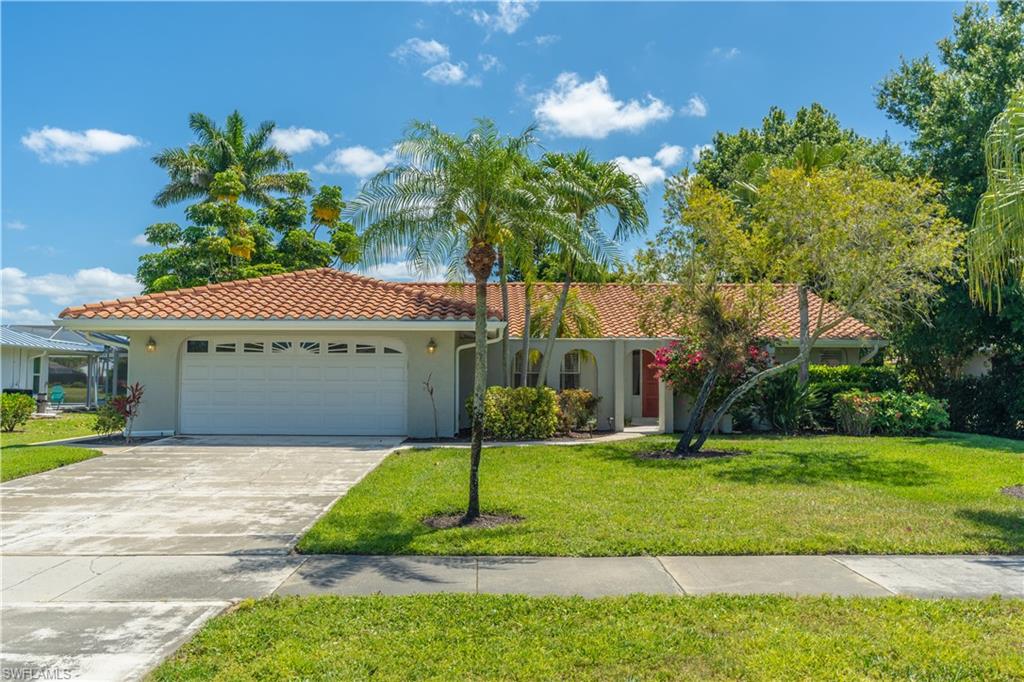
[[448, 637], [18, 458], [807, 495]]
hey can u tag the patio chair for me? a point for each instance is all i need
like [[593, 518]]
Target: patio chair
[[57, 396]]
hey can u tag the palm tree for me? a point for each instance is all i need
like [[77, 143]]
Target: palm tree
[[449, 202], [995, 246], [262, 167], [583, 189], [579, 318]]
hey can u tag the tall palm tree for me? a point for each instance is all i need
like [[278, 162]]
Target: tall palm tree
[[995, 245], [449, 202], [584, 189], [263, 167]]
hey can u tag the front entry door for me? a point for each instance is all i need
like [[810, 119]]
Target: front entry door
[[649, 387]]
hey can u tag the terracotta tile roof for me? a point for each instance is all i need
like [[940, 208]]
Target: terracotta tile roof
[[618, 306], [321, 294]]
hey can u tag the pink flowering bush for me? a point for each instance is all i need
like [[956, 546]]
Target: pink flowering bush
[[684, 367]]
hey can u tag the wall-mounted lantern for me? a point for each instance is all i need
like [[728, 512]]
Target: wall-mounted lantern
[[431, 346], [150, 345]]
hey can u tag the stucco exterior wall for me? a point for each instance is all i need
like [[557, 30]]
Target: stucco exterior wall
[[158, 372]]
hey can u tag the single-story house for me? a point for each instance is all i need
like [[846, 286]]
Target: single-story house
[[38, 358], [330, 352]]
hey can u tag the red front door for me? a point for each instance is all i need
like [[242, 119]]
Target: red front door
[[648, 386]]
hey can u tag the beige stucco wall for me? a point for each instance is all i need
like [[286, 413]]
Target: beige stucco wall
[[158, 372]]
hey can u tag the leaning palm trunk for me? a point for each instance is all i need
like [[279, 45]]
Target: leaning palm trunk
[[697, 413], [506, 348], [525, 352], [479, 390], [556, 321]]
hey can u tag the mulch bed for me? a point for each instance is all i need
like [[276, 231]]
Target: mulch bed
[[702, 454], [117, 440], [445, 521], [1014, 491]]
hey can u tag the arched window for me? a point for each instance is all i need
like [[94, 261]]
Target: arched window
[[570, 374], [532, 371]]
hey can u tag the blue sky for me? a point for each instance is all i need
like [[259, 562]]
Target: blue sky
[[91, 91]]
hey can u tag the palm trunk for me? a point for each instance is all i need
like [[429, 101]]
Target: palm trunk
[[697, 413], [525, 359], [479, 389], [506, 348], [556, 321], [805, 335]]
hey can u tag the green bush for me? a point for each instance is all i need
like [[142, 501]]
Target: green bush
[[523, 413], [855, 412], [578, 408], [108, 420], [15, 409], [784, 404], [904, 414], [830, 381], [992, 404]]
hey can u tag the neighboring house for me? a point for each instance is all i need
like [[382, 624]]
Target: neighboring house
[[39, 358], [328, 352]]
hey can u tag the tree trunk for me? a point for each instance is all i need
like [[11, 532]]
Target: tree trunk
[[525, 359], [805, 335], [556, 321], [697, 413], [479, 389], [506, 348]]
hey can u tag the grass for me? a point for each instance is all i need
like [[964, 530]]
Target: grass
[[18, 458], [639, 637], [808, 495]]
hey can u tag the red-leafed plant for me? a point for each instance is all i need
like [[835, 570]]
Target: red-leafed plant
[[128, 407]]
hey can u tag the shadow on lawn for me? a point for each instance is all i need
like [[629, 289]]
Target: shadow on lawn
[[1003, 531], [972, 441], [814, 467]]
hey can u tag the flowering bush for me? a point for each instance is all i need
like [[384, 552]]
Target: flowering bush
[[685, 367], [855, 412], [891, 413], [577, 407]]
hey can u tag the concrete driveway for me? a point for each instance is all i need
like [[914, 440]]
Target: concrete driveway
[[110, 564]]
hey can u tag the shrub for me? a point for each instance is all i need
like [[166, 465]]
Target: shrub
[[784, 404], [577, 407], [904, 414], [520, 413], [855, 412], [108, 420], [830, 381], [15, 410], [992, 404]]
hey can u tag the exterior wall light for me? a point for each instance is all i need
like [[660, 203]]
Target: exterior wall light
[[432, 346], [150, 345]]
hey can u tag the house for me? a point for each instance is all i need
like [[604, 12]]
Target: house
[[329, 352], [37, 358]]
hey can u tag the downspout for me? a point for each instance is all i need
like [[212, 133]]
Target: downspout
[[459, 349]]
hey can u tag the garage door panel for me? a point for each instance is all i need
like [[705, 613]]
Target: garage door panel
[[293, 391]]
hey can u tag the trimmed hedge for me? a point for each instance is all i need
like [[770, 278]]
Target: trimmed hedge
[[992, 404], [830, 381], [523, 413]]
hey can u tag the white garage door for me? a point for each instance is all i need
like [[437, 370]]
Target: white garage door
[[303, 386]]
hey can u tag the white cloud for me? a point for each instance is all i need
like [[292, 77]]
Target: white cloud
[[140, 240], [429, 51], [295, 140], [725, 52], [510, 16], [642, 167], [25, 316], [542, 41], [89, 284], [669, 155], [359, 161], [56, 145], [699, 149], [447, 73], [15, 225], [695, 106], [587, 109], [489, 61], [402, 271]]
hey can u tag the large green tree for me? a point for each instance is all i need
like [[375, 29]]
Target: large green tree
[[449, 202], [950, 105]]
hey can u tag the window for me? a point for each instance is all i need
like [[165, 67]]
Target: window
[[310, 347], [532, 372], [570, 377], [832, 358], [365, 348], [280, 346], [388, 349], [225, 348], [636, 372], [254, 347], [337, 348], [197, 347], [37, 372]]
